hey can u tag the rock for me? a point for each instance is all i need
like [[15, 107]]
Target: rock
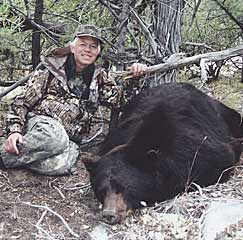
[[99, 233], [219, 216]]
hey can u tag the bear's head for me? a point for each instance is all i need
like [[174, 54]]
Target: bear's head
[[120, 184]]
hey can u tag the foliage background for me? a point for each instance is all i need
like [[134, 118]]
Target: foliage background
[[204, 22]]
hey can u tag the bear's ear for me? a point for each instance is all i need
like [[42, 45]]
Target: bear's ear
[[148, 161], [89, 160]]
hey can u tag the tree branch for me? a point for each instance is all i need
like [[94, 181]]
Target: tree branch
[[222, 6], [204, 45], [54, 213], [146, 32], [180, 62], [194, 13]]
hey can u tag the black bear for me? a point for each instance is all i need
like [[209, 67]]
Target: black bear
[[167, 138]]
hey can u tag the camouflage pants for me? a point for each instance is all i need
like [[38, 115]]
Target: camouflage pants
[[46, 148]]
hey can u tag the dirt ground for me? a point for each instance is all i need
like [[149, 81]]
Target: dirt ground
[[34, 206], [28, 199], [39, 207]]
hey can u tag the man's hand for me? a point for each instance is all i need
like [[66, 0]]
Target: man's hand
[[11, 144], [138, 69]]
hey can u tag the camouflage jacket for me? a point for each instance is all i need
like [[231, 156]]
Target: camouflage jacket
[[47, 93]]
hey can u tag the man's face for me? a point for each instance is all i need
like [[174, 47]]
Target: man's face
[[86, 50]]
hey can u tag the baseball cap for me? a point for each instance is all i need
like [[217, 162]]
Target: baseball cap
[[89, 31]]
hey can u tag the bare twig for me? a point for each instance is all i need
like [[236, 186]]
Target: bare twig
[[199, 188], [146, 32], [229, 13], [41, 230], [76, 187], [41, 218], [54, 213], [109, 6], [203, 45], [46, 235], [59, 191], [193, 161], [194, 13], [226, 170]]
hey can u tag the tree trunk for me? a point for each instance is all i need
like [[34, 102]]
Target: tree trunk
[[167, 30], [36, 35], [123, 20]]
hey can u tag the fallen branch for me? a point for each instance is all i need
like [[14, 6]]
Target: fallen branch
[[59, 191], [54, 213], [183, 61], [17, 84], [41, 230]]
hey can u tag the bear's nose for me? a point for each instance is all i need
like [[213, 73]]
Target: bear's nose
[[110, 217]]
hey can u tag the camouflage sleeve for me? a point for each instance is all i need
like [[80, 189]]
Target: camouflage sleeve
[[117, 92], [110, 93], [23, 103]]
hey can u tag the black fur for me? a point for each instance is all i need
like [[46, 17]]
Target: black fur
[[173, 135]]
